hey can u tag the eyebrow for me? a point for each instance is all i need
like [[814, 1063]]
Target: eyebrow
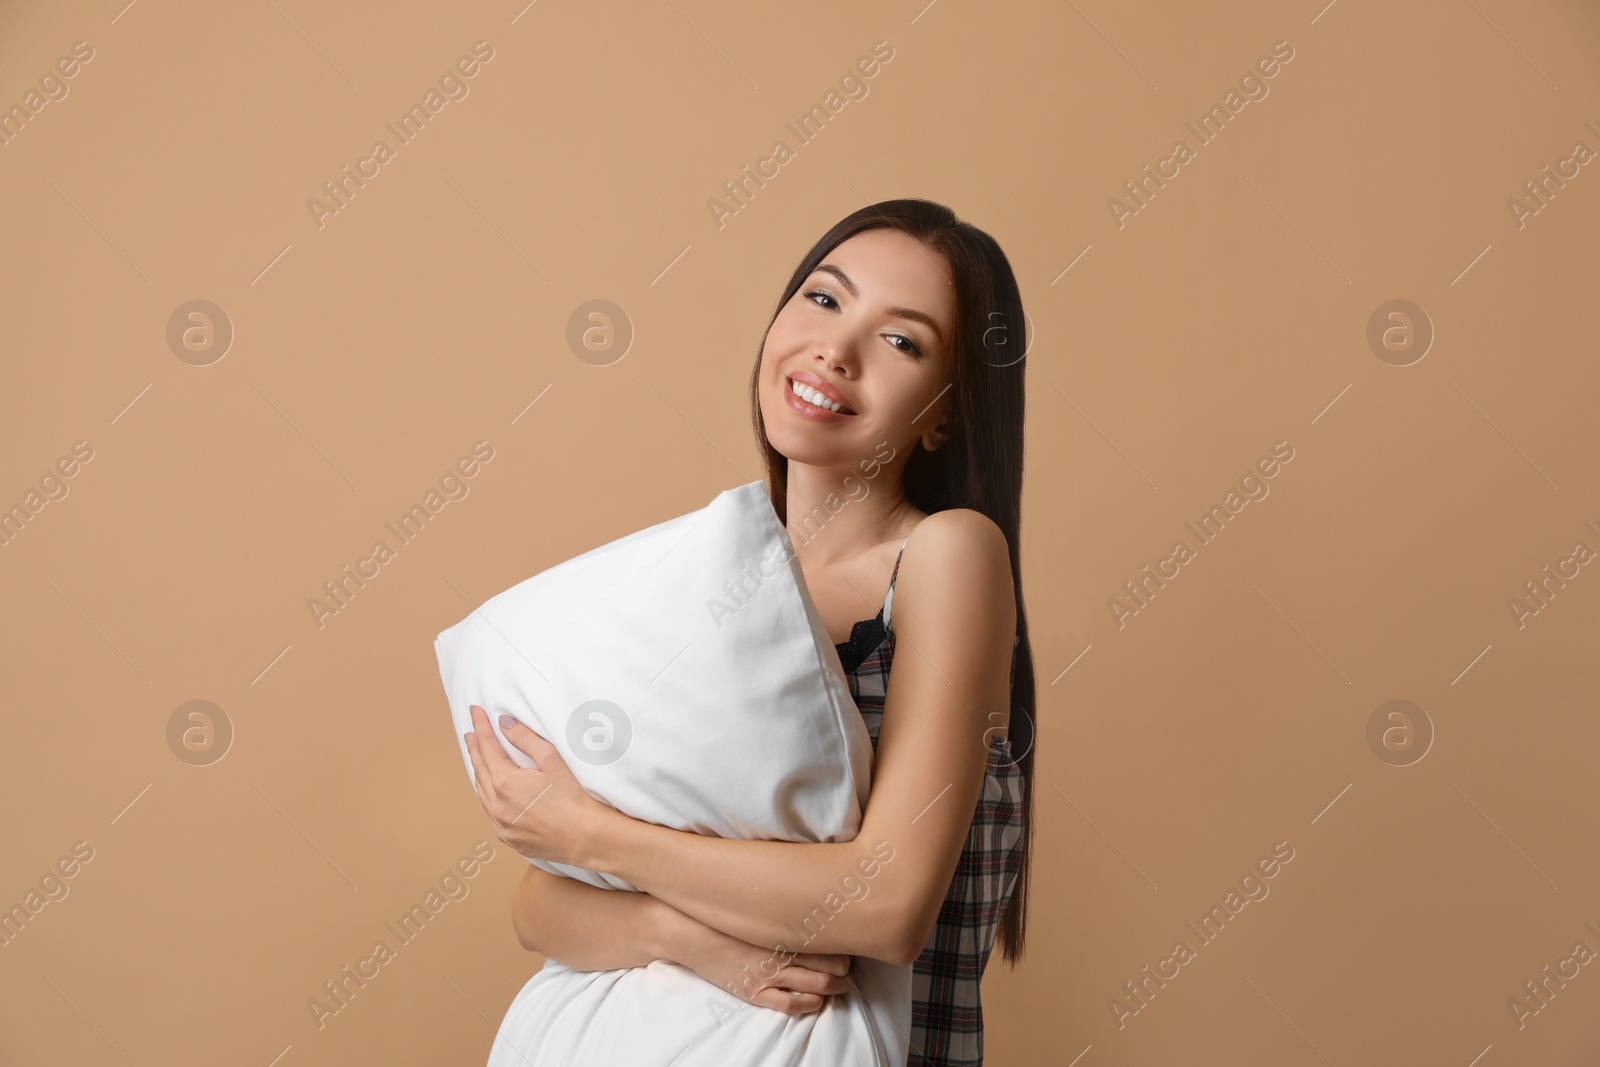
[[905, 313]]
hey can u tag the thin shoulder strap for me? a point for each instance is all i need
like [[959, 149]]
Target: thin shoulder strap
[[889, 600]]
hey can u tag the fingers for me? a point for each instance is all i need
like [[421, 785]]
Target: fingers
[[491, 754], [489, 761], [832, 962], [480, 772], [788, 1001], [526, 739], [800, 990], [805, 980]]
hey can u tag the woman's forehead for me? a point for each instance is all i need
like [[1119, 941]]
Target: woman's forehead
[[892, 268]]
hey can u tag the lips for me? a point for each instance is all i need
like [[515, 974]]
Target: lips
[[824, 387]]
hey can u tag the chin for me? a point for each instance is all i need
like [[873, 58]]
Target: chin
[[793, 441]]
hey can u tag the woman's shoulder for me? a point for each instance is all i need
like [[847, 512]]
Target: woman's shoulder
[[959, 532], [956, 560]]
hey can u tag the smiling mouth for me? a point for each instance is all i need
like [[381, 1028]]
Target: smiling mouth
[[816, 398]]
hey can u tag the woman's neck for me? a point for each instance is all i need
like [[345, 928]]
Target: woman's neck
[[836, 513]]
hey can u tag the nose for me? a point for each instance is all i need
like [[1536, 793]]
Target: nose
[[837, 352]]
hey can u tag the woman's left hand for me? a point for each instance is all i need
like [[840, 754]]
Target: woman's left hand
[[542, 812]]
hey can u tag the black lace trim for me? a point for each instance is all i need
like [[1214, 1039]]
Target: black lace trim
[[865, 636]]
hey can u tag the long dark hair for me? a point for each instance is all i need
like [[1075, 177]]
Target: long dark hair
[[979, 466]]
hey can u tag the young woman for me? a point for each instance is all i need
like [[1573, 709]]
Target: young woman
[[888, 401]]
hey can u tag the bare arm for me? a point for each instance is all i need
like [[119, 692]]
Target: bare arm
[[878, 895], [588, 928], [592, 929]]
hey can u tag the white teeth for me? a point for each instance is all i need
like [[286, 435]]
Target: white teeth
[[811, 396]]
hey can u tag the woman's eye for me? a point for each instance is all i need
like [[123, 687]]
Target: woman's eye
[[910, 345]]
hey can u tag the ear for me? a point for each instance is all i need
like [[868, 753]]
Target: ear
[[934, 437]]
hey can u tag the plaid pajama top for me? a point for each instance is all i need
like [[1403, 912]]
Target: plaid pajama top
[[946, 1012]]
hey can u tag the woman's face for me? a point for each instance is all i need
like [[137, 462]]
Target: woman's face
[[871, 328]]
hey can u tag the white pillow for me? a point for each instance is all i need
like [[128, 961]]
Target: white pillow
[[686, 678]]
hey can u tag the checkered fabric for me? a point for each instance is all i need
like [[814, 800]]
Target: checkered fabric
[[946, 1011]]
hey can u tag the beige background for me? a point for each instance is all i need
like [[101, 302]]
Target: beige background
[[369, 354]]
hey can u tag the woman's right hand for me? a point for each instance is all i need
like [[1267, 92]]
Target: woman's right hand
[[793, 983]]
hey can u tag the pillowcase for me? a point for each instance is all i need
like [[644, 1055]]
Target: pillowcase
[[683, 674], [686, 678]]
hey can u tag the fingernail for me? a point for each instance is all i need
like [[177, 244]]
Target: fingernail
[[507, 722]]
